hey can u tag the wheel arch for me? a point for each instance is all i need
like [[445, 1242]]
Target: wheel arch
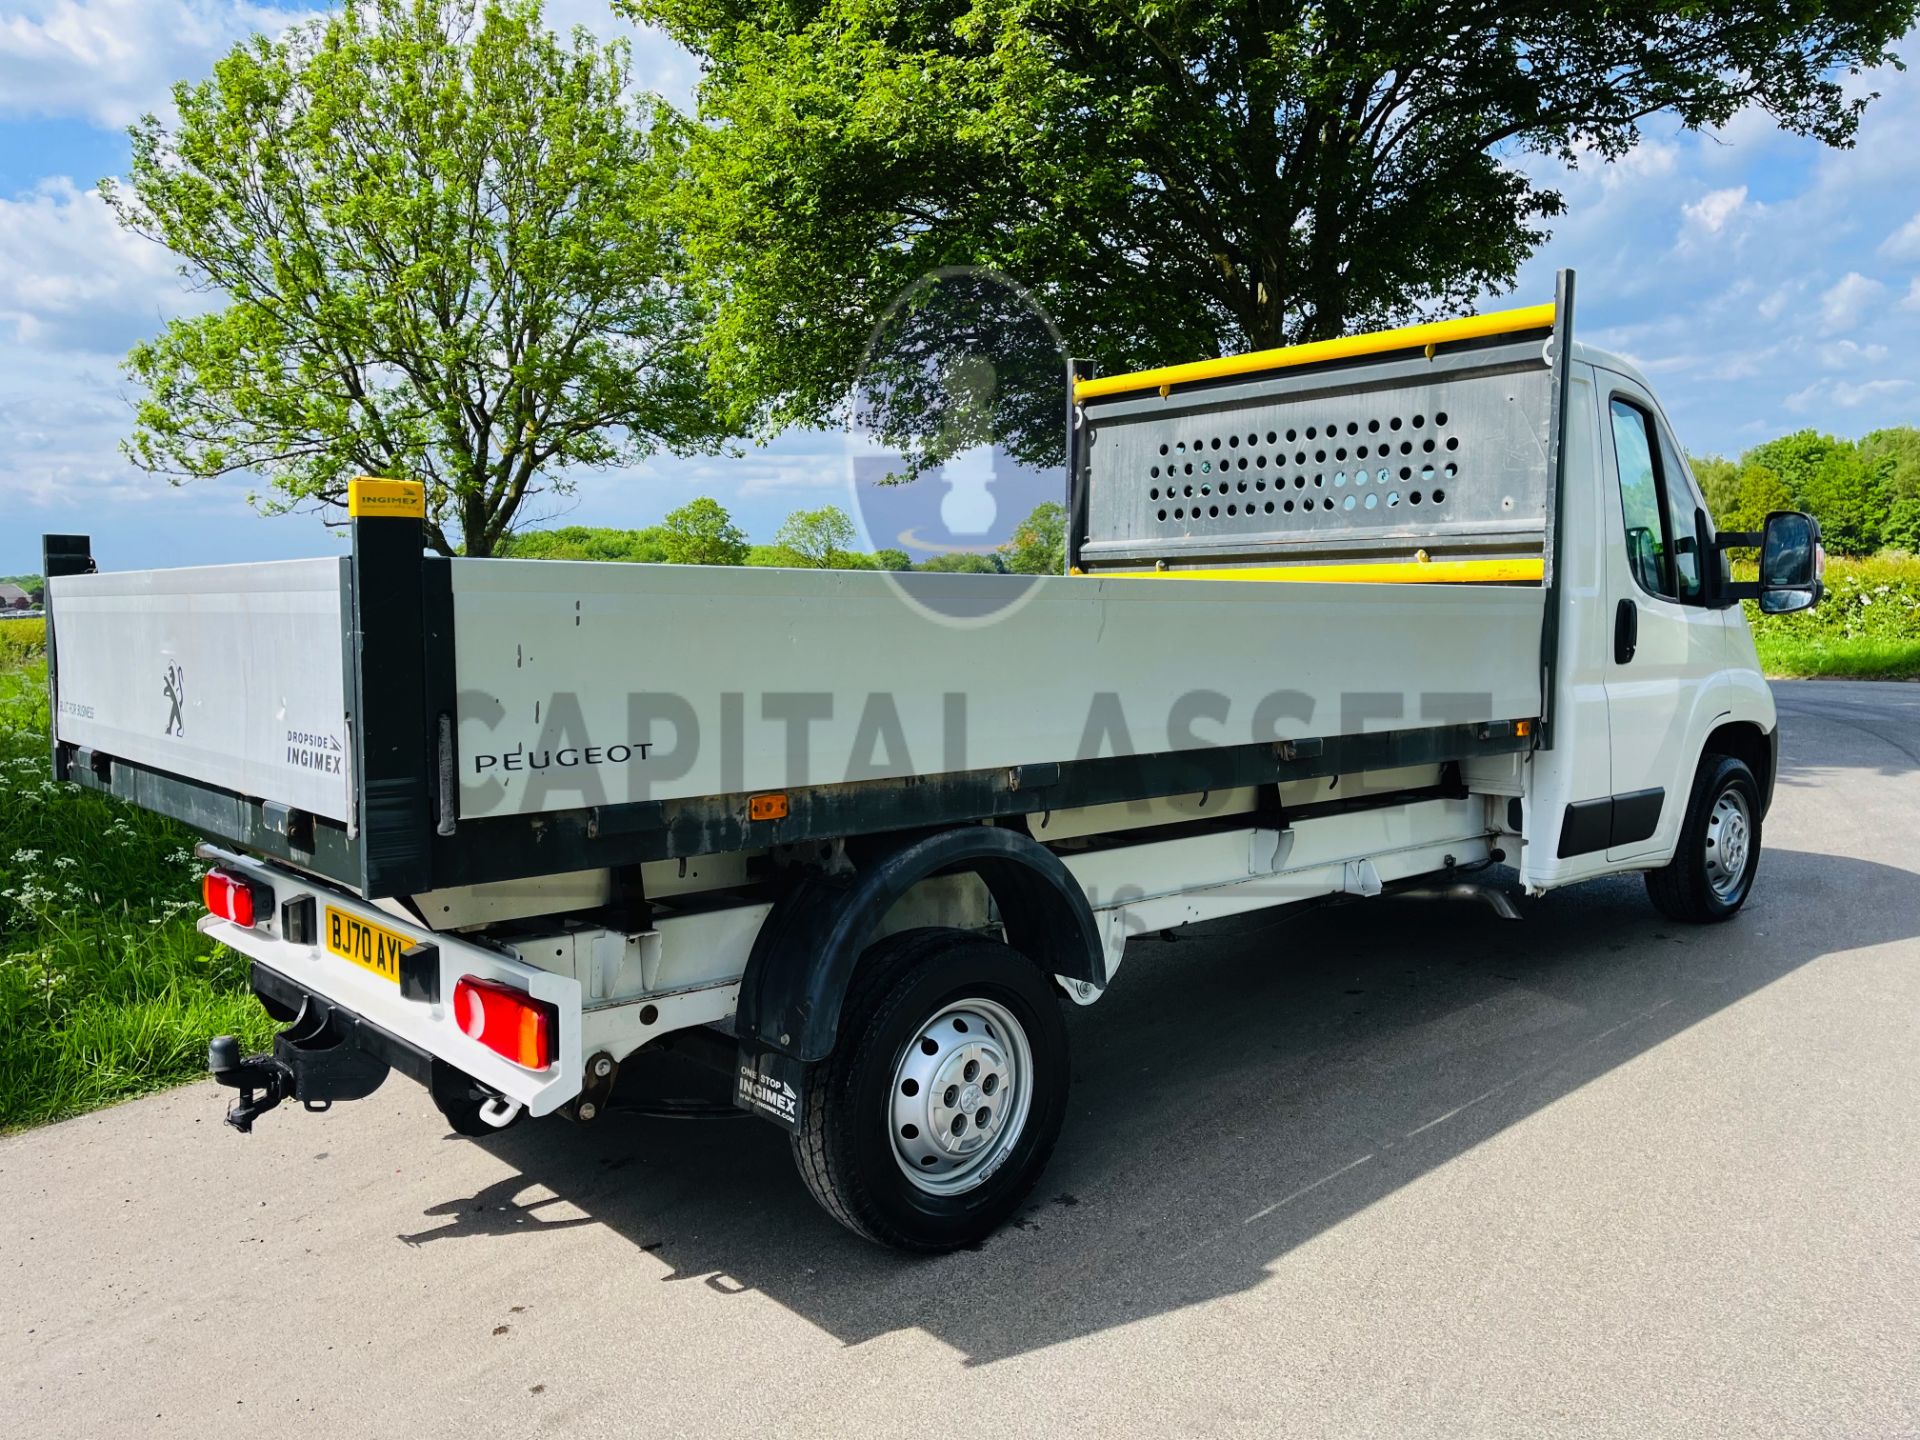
[[1758, 749], [804, 955]]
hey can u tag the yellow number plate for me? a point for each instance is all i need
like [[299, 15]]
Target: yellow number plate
[[368, 946]]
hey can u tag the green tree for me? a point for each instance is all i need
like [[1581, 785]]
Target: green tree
[[1756, 493], [1794, 458], [1187, 178], [582, 542], [777, 557], [445, 253], [1719, 480], [701, 532], [964, 562], [1039, 545], [1894, 455], [891, 559], [818, 538], [1844, 494]]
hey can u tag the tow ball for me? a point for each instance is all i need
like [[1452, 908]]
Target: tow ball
[[315, 1060], [263, 1082]]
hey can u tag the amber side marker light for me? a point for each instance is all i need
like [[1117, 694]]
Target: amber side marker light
[[767, 807]]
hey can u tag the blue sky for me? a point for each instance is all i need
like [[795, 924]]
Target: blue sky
[[1764, 282]]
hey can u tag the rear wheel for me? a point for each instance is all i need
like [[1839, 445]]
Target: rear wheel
[[935, 1115], [1711, 873]]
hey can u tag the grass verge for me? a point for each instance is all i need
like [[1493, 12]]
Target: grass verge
[[106, 989], [1867, 627], [1786, 657]]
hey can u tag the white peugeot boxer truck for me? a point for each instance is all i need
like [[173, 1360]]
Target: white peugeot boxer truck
[[1340, 620]]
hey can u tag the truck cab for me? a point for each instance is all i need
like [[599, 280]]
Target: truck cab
[[1658, 662]]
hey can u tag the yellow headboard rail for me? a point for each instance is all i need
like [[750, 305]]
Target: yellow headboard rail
[[1347, 347], [1517, 570]]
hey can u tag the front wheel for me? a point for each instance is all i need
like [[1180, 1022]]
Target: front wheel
[[936, 1113], [1712, 869]]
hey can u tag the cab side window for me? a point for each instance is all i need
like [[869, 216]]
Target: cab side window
[[1648, 552], [1683, 525]]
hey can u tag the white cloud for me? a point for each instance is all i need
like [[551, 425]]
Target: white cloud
[[1844, 305], [1775, 302], [1845, 354], [1713, 214], [1846, 395], [111, 61], [1904, 243], [1911, 301], [1650, 159], [71, 278]]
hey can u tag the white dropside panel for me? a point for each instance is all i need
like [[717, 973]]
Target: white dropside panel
[[589, 684], [228, 674]]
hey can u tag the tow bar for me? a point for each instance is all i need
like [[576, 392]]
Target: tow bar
[[256, 1073], [315, 1061]]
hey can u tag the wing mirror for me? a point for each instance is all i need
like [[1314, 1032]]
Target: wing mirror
[[1792, 564]]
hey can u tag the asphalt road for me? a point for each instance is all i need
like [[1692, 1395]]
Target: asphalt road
[[1398, 1169]]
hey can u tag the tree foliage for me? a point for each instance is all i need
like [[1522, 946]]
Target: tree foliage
[[1894, 455], [584, 542], [1865, 494], [964, 562], [1039, 544], [443, 251], [1186, 178], [819, 538], [701, 532]]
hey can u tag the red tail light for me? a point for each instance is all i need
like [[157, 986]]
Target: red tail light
[[229, 897], [507, 1021]]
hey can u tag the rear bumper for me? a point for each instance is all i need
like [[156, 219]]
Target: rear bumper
[[406, 1031]]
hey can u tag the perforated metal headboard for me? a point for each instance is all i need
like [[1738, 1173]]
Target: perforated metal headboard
[[1380, 457]]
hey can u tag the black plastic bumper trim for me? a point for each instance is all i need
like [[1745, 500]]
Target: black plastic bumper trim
[[1612, 820]]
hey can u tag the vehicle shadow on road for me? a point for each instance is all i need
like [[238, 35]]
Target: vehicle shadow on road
[[1240, 1090]]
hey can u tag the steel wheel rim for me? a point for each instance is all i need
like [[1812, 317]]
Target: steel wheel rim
[[1729, 844], [962, 1091]]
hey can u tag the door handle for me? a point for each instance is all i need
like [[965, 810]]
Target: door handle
[[1626, 631]]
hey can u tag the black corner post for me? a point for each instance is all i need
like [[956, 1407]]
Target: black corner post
[[1562, 357], [1077, 370], [392, 741], [59, 555]]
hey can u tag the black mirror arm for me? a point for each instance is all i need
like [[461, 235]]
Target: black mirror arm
[[1731, 592]]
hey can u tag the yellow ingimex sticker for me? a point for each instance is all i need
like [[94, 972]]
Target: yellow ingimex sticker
[[368, 496]]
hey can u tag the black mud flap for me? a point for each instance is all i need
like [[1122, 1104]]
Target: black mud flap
[[316, 1060], [773, 1086]]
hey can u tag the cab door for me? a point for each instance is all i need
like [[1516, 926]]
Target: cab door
[[1667, 643]]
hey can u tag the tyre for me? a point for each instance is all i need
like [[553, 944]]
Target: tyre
[[938, 1109], [1712, 869]]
